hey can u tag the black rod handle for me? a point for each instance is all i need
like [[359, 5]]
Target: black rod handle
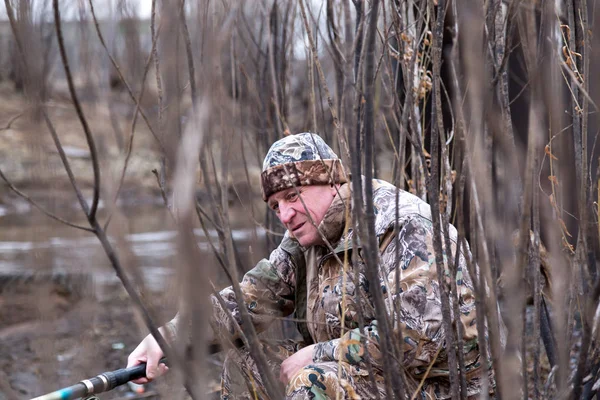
[[98, 384], [124, 375]]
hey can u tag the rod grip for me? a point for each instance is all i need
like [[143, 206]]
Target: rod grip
[[124, 375]]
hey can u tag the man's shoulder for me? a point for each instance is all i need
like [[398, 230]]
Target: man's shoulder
[[383, 189], [391, 203]]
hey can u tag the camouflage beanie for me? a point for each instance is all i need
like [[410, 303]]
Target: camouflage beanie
[[300, 160]]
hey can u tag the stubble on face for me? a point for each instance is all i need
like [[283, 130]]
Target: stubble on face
[[306, 212]]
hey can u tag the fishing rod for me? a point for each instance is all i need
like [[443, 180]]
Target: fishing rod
[[101, 383], [109, 380]]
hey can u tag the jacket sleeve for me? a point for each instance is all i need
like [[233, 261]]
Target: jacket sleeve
[[408, 271], [268, 291]]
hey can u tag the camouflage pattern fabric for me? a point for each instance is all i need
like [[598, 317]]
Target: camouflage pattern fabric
[[407, 276], [298, 160], [408, 272], [240, 379]]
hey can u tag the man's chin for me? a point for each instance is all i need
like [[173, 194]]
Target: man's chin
[[307, 241], [300, 239]]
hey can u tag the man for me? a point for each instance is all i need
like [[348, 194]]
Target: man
[[305, 184]]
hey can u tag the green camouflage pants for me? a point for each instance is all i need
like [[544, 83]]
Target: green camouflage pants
[[325, 380]]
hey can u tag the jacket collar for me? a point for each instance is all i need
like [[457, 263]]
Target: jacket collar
[[334, 222]]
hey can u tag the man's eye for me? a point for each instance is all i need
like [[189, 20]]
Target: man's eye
[[292, 196], [275, 207]]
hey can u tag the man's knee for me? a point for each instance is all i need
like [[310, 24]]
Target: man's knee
[[314, 380], [234, 376]]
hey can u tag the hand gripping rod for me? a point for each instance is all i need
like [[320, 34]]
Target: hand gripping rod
[[98, 384]]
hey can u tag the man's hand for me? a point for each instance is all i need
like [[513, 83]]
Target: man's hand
[[147, 351], [291, 365]]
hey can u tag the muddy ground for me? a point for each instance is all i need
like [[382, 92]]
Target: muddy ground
[[72, 338], [57, 328]]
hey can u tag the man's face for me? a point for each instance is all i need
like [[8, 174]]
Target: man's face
[[295, 216]]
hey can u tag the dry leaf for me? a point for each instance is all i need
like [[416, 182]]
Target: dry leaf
[[568, 245], [568, 29], [564, 227], [549, 153]]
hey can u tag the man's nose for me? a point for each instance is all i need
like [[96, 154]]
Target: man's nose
[[286, 213]]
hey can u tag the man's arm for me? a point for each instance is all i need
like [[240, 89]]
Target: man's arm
[[268, 293]]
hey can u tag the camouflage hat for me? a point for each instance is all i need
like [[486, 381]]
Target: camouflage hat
[[300, 160]]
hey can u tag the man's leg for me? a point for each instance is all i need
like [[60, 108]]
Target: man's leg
[[241, 379], [325, 381]]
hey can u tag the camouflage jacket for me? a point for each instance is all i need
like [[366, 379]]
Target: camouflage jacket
[[312, 282]]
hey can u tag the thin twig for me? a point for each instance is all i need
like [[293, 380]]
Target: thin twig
[[122, 78], [434, 190], [313, 49], [39, 207], [393, 385], [88, 134], [132, 135], [11, 120], [190, 57], [156, 62], [163, 193], [486, 300], [272, 386]]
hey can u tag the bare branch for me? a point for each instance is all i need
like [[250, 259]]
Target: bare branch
[[156, 61], [132, 134], [340, 135], [122, 78], [39, 207], [458, 389], [91, 214], [190, 58], [11, 121]]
